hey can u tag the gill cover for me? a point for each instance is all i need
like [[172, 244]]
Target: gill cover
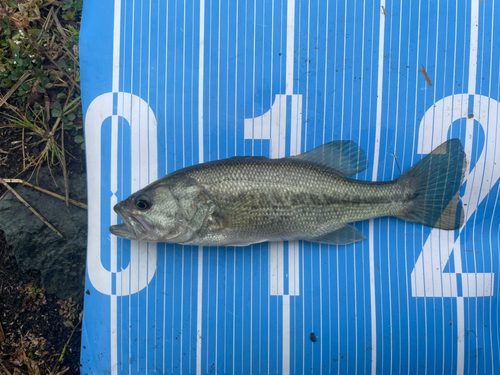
[[195, 206]]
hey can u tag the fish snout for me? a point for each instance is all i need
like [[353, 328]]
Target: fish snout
[[130, 229]]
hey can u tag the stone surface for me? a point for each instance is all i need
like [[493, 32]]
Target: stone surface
[[35, 246]]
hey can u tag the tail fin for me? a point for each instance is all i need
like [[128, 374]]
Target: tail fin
[[435, 185]]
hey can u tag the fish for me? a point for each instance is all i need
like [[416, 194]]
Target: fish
[[246, 200]]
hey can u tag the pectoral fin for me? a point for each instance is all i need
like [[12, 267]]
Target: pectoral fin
[[342, 236], [241, 213]]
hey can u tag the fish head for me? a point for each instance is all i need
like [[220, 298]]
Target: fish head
[[152, 214]]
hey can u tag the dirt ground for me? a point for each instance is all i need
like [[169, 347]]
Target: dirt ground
[[35, 327]]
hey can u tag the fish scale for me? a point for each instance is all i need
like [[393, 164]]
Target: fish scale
[[294, 199]]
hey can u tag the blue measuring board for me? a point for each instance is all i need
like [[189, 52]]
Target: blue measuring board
[[168, 84]]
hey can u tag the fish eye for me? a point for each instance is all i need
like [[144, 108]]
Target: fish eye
[[142, 203]]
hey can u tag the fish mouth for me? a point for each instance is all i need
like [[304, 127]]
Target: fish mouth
[[131, 228]]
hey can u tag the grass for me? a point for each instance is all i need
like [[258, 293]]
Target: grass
[[40, 75], [39, 68]]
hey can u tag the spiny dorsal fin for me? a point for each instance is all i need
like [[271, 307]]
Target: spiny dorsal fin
[[246, 158], [346, 157]]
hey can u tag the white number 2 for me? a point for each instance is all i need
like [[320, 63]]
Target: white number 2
[[428, 278]]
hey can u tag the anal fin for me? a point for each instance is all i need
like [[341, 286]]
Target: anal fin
[[342, 236]]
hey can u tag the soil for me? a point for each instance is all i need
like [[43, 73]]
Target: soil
[[34, 326]]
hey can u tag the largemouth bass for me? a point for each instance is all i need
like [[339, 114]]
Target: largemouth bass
[[246, 200]]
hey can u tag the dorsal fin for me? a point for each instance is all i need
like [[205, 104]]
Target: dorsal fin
[[246, 158], [345, 157]]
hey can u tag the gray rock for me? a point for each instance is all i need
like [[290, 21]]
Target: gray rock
[[35, 246]]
